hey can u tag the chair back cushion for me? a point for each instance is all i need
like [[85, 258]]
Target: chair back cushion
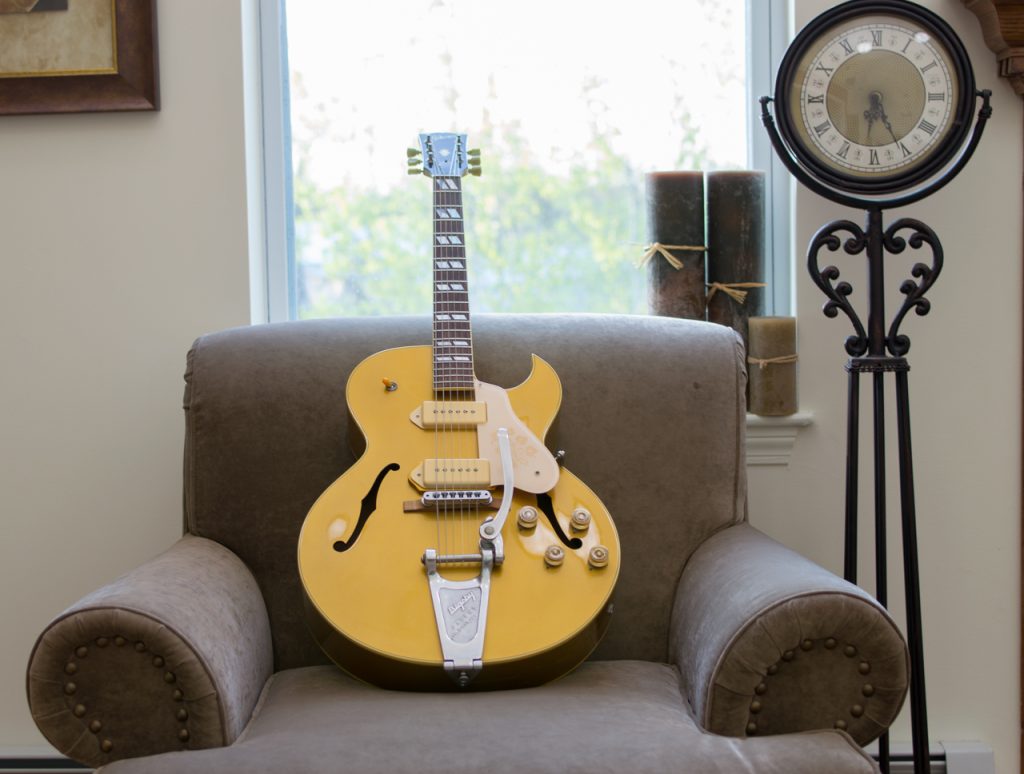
[[652, 419]]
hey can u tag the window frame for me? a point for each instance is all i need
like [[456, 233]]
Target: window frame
[[273, 288]]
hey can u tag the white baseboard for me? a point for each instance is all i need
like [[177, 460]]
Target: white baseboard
[[946, 758]]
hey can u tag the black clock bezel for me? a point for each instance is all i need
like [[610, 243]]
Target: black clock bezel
[[882, 184]]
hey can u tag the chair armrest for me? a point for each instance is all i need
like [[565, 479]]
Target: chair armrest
[[171, 656], [767, 642]]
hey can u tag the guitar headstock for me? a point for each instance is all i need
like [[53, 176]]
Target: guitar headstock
[[443, 154]]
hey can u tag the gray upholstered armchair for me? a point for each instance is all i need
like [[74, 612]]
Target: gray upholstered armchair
[[727, 652]]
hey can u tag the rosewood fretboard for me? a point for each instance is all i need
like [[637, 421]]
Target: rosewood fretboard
[[453, 338]]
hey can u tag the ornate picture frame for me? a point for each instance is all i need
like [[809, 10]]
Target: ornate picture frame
[[121, 74]]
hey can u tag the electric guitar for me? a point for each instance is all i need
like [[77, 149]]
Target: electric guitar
[[456, 551]]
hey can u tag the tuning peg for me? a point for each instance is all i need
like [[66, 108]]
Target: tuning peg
[[410, 152], [414, 162], [474, 162], [416, 171], [473, 152], [475, 171]]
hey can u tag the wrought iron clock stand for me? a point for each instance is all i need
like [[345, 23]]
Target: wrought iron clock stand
[[878, 350]]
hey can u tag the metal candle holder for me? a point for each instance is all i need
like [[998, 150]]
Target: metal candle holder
[[878, 350]]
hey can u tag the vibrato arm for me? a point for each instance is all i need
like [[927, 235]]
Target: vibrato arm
[[490, 530]]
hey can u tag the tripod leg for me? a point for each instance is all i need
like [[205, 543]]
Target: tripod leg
[[911, 580], [852, 452], [881, 554]]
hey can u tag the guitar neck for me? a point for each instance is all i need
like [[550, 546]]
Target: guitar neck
[[453, 338]]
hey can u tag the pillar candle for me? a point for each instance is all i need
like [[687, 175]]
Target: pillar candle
[[675, 216], [736, 244], [772, 385]]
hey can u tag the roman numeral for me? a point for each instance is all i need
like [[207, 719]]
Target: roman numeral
[[876, 38], [846, 46], [936, 96], [909, 41], [844, 151], [874, 157], [822, 128], [928, 67], [924, 125], [827, 70], [816, 99], [905, 149]]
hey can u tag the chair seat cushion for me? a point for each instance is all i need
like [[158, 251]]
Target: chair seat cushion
[[607, 716]]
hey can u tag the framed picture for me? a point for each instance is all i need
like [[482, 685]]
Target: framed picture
[[77, 56]]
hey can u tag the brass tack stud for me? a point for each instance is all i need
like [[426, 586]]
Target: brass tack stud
[[183, 735], [554, 556], [830, 642], [850, 651], [807, 644], [840, 724], [169, 677], [774, 668], [755, 706], [598, 557], [178, 695], [140, 647], [751, 728], [863, 667], [70, 688], [106, 745], [119, 641], [856, 710], [70, 668], [82, 651], [158, 662], [868, 689], [79, 710], [182, 714], [102, 642], [788, 655], [760, 689], [95, 726]]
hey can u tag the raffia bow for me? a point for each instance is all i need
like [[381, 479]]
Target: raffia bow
[[732, 290], [663, 250], [763, 363]]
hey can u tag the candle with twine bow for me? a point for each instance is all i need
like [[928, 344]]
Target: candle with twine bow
[[675, 253], [771, 366], [736, 248]]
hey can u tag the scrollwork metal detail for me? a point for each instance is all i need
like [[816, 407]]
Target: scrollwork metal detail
[[838, 293], [897, 343]]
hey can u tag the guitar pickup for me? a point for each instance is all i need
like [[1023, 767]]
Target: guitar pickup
[[446, 414], [451, 474]]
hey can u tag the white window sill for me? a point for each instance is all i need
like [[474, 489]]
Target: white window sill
[[770, 440]]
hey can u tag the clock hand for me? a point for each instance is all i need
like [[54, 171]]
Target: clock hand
[[876, 103]]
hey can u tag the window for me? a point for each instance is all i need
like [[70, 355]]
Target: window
[[570, 106]]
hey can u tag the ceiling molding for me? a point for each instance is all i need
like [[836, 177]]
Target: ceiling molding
[[1002, 24]]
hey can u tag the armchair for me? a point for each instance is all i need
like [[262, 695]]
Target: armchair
[[727, 652]]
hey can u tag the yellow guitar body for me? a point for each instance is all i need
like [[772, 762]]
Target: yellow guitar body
[[362, 546]]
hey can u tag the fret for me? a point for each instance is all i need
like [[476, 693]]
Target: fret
[[453, 338]]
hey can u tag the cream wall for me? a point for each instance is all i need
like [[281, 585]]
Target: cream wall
[[965, 395], [124, 237]]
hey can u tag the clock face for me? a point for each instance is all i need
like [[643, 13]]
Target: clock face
[[875, 96]]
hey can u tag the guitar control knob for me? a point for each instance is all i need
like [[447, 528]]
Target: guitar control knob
[[580, 520], [554, 556], [598, 558], [527, 518]]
